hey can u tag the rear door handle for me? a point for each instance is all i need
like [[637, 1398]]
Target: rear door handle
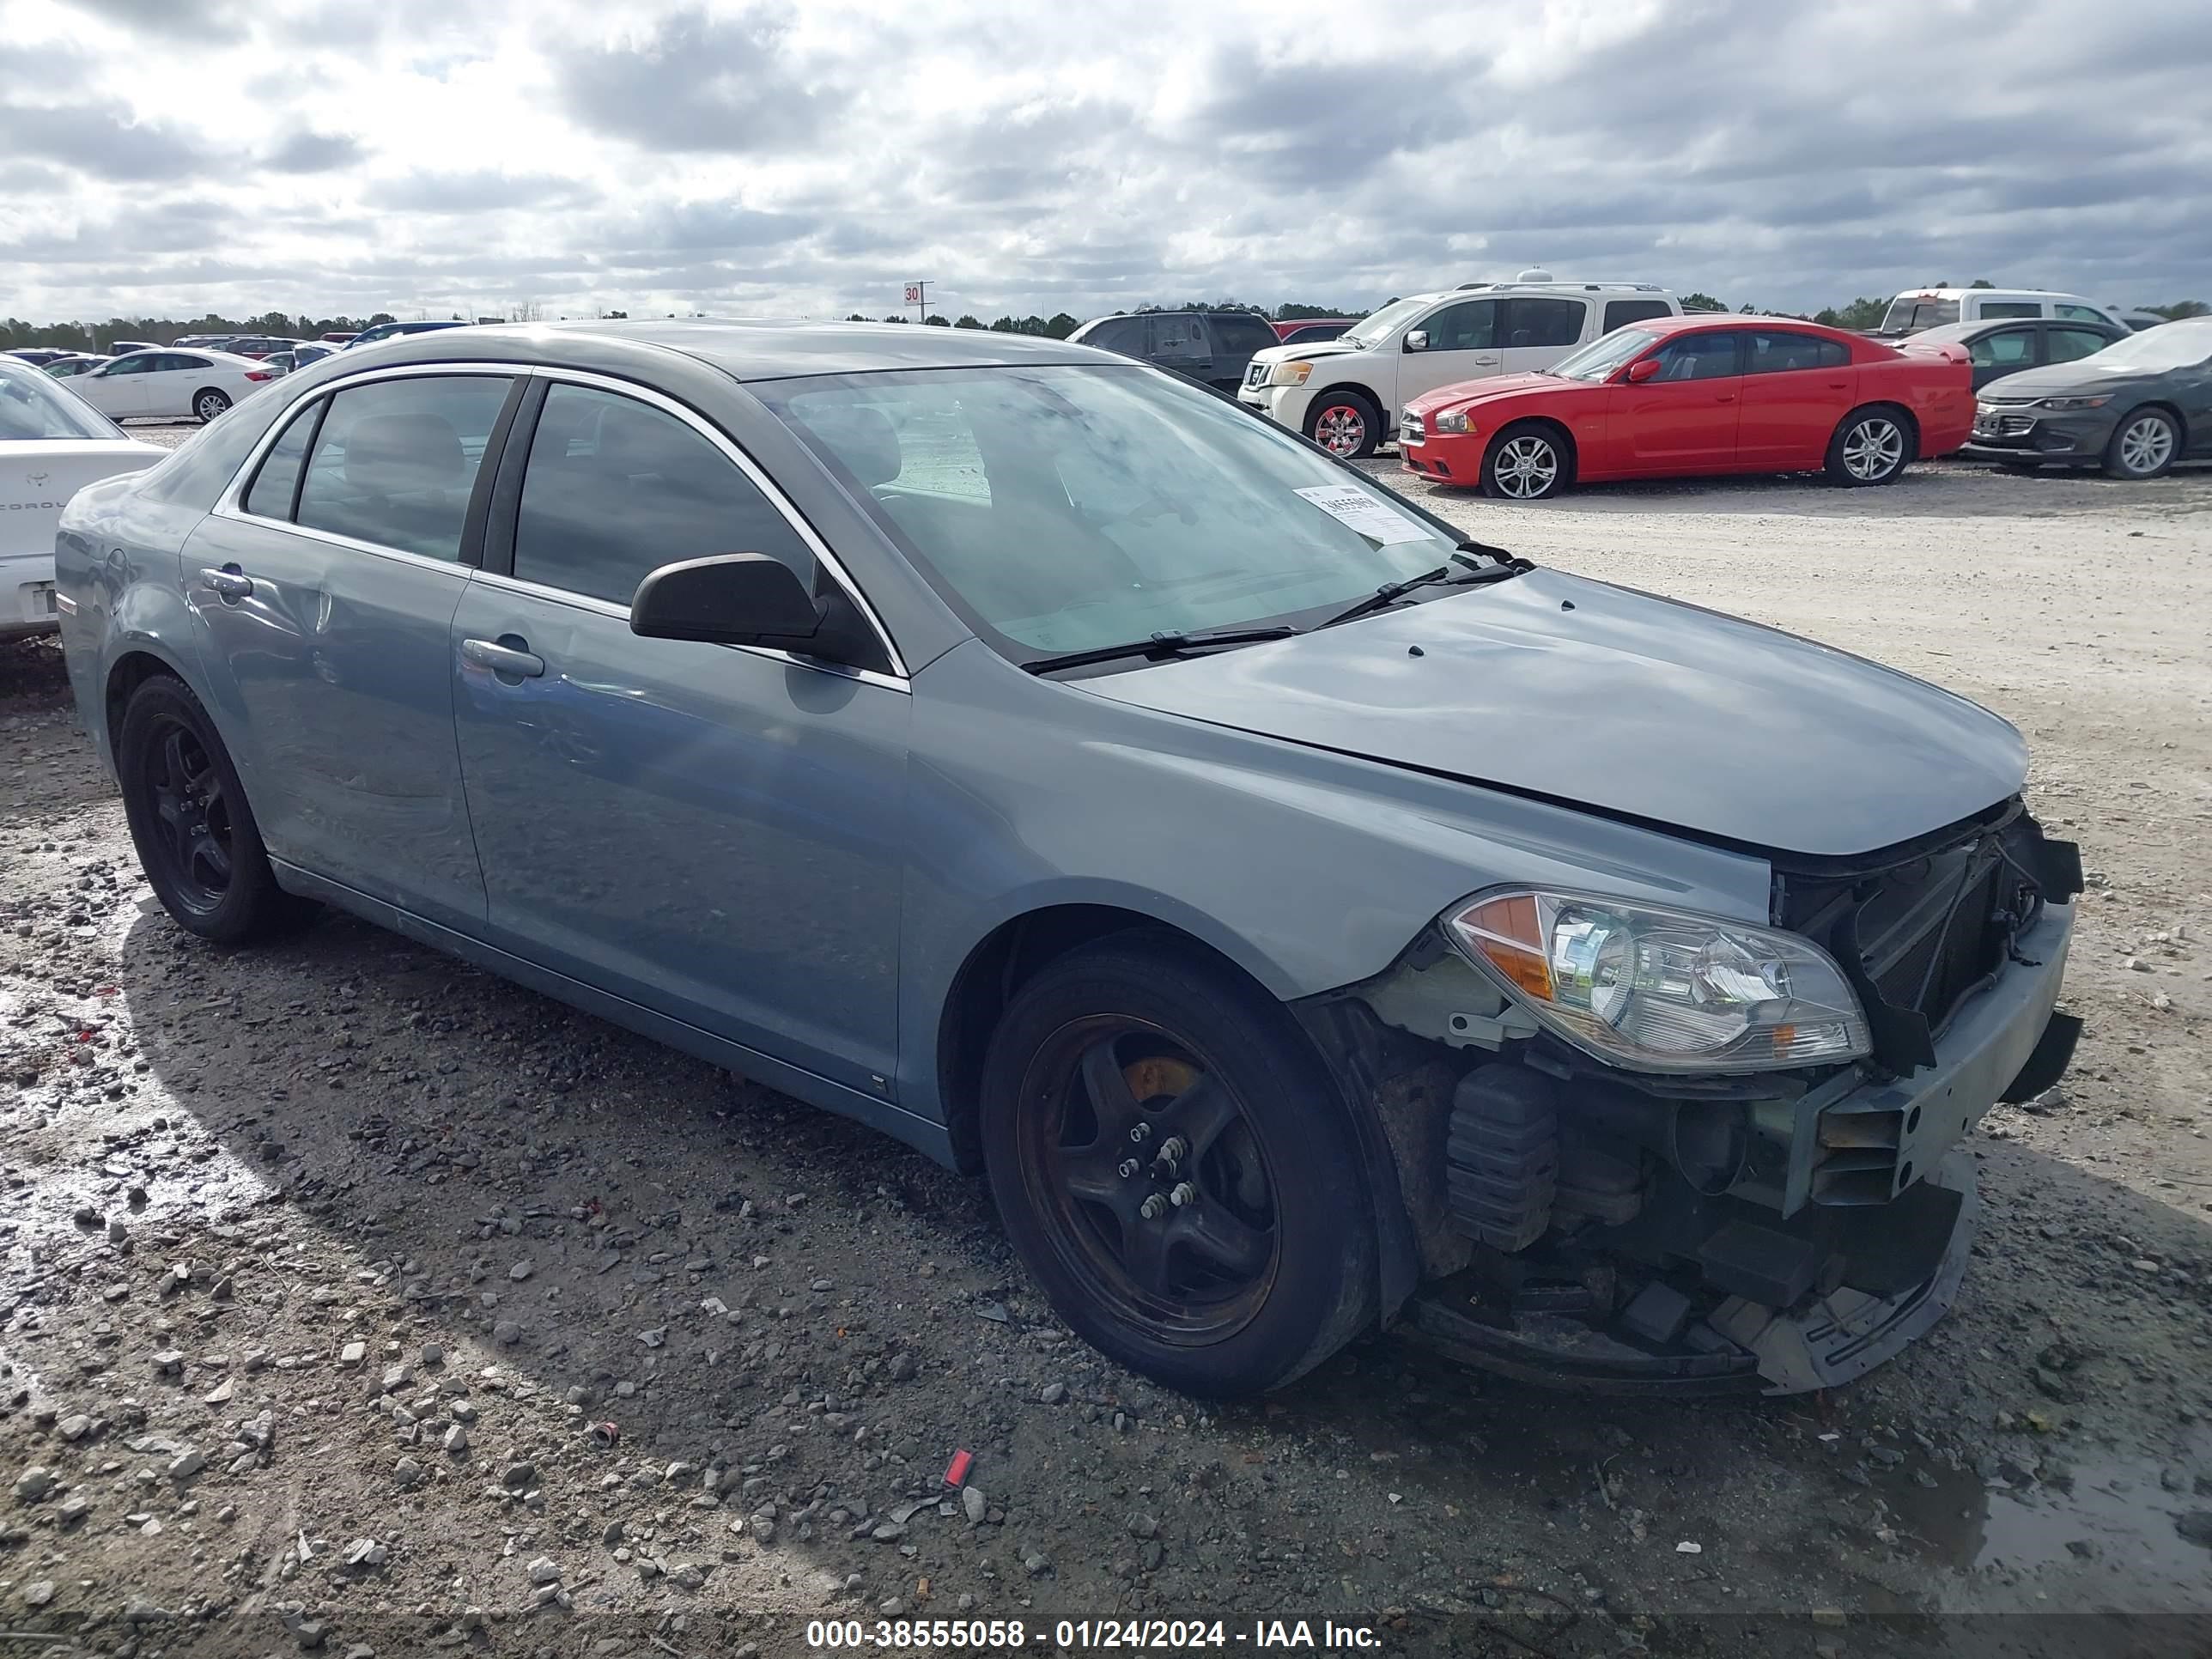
[[229, 584], [503, 658]]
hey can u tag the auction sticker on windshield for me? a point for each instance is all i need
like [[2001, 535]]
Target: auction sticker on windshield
[[1371, 517]]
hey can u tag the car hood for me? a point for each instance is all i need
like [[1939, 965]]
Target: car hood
[[1299, 354], [2059, 380], [1551, 685], [1470, 393]]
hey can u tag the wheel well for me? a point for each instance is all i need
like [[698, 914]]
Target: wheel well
[[130, 671], [1905, 418], [204, 390], [1356, 389], [2180, 420], [1007, 957], [1557, 428]]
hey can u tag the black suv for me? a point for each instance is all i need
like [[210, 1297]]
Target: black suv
[[1212, 346]]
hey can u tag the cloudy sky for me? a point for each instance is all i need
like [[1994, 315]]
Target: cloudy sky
[[169, 157]]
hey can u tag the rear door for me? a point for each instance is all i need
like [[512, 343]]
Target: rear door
[[1461, 344], [1797, 386], [713, 832], [1684, 419], [1540, 331], [324, 596], [2006, 350], [173, 379]]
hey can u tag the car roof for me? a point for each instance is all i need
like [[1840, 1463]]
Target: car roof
[[1689, 322], [752, 349]]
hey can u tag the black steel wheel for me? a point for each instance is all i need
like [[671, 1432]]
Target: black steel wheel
[[1176, 1168], [197, 838]]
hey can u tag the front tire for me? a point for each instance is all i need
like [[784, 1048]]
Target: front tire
[[1177, 1169], [195, 836], [210, 403], [1526, 464], [2147, 442], [1870, 447], [1346, 423]]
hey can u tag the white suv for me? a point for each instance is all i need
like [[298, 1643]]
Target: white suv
[[1345, 394]]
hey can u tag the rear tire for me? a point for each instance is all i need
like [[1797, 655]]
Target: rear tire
[[1871, 447], [195, 836], [210, 403], [1105, 1061], [2145, 442], [1346, 423], [1530, 462]]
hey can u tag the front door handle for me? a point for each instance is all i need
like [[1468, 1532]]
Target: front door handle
[[503, 659], [229, 584], [1724, 397], [1485, 362]]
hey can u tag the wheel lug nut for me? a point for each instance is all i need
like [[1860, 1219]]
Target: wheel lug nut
[[1153, 1207], [1129, 1167], [1184, 1193], [1173, 1148], [1141, 1134]]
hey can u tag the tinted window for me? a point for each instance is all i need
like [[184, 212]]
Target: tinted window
[[269, 496], [396, 459], [616, 489], [2009, 347], [1618, 314], [1123, 334], [1699, 357], [2069, 345], [1544, 322], [1777, 351], [1174, 338], [1240, 334], [171, 360], [2078, 313], [1470, 325], [2010, 308]]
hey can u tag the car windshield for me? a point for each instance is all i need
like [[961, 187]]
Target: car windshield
[[1065, 509], [2178, 345], [1603, 356], [1373, 331], [34, 404]]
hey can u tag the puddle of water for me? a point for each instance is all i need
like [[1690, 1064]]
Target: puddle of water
[[2108, 1511]]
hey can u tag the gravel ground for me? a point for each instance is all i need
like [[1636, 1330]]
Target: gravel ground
[[351, 1298]]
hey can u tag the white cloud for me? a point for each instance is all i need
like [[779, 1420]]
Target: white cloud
[[418, 155]]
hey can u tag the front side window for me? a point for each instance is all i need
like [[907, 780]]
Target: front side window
[[136, 362], [1709, 356], [615, 489], [2072, 344], [1598, 360], [32, 406], [1114, 504], [1240, 333], [395, 461], [1122, 334], [1550, 323], [1470, 325], [2009, 347], [1780, 351]]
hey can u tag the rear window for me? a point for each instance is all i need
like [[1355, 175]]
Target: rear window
[[1618, 314]]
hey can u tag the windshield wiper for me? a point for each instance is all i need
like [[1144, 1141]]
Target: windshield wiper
[[1468, 574], [1168, 644]]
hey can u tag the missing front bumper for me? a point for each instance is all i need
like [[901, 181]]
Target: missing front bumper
[[1664, 1341]]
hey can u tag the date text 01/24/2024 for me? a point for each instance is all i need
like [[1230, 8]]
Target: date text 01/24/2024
[[1088, 1634]]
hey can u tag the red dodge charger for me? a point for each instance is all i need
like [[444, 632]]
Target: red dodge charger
[[1678, 396]]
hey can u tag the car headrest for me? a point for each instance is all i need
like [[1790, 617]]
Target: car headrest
[[399, 455], [863, 438]]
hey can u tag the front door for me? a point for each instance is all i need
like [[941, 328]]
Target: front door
[[1461, 344], [324, 604], [714, 833], [119, 390], [1684, 418], [2004, 351], [1797, 388]]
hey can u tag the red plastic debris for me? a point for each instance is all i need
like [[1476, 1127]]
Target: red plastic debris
[[956, 1473], [604, 1435]]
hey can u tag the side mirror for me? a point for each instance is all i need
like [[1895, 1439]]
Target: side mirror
[[731, 599], [1641, 370], [1417, 340]]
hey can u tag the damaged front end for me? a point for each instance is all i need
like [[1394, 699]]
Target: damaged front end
[[1585, 1222]]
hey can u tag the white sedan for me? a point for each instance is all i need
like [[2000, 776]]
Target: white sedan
[[51, 445], [168, 385]]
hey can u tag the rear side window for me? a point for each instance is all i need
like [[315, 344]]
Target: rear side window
[[1544, 322], [395, 461], [1779, 351], [615, 489], [1618, 314], [269, 496], [2011, 308], [1174, 338], [1240, 334]]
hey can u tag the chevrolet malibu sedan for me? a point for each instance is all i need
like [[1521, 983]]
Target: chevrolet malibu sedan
[[50, 443], [1306, 918], [2134, 409], [1693, 397], [166, 385]]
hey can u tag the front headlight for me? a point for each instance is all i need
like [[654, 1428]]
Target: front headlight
[[2073, 403], [1452, 420], [1658, 990], [1289, 373]]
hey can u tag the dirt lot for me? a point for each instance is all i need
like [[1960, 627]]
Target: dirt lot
[[319, 1264]]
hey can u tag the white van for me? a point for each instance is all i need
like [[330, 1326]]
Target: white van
[[1931, 307], [1345, 394]]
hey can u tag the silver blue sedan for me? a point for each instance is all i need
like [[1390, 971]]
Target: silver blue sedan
[[1307, 917]]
